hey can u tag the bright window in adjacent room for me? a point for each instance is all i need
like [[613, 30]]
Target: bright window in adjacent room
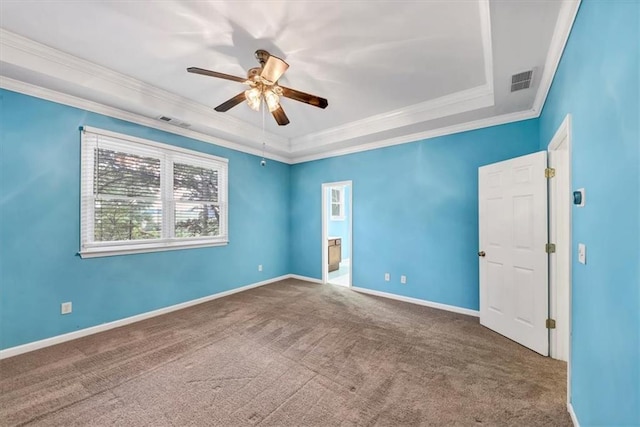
[[143, 196], [337, 203]]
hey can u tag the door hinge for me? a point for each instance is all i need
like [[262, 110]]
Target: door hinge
[[550, 248], [551, 323], [549, 172]]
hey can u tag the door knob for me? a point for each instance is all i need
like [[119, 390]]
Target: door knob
[[481, 253]]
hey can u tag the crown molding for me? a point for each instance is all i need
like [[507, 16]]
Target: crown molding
[[76, 102], [29, 54], [25, 53], [561, 32], [73, 101], [487, 44], [455, 103], [419, 136]]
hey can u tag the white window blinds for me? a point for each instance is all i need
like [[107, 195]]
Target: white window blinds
[[140, 196]]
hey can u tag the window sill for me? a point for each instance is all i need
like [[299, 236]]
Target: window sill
[[337, 218], [104, 251]]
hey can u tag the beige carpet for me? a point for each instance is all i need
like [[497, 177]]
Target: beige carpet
[[288, 354]]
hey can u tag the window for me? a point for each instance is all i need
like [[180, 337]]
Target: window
[[143, 196], [337, 203]]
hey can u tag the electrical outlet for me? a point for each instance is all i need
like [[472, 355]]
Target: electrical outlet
[[403, 279], [65, 308], [259, 267], [387, 277]]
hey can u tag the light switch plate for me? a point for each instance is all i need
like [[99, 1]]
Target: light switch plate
[[582, 253]]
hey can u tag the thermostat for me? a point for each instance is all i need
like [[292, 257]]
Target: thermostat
[[578, 197]]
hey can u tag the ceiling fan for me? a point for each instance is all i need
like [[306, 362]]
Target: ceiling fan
[[264, 87]]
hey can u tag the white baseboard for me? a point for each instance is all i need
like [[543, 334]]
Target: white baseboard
[[426, 303], [36, 345], [572, 413], [305, 278]]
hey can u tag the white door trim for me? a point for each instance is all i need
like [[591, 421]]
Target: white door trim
[[325, 248], [559, 304]]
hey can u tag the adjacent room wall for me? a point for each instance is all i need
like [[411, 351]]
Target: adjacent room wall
[[40, 227], [415, 211], [598, 83]]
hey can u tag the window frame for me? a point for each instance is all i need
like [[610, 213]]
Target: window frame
[[168, 155], [339, 203]]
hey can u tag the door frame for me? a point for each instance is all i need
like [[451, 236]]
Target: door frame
[[323, 240], [560, 212]]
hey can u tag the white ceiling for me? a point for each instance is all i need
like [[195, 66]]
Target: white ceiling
[[392, 71]]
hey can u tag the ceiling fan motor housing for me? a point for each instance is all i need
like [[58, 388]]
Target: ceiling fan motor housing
[[253, 72]]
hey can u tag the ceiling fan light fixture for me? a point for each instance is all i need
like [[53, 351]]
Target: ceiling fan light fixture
[[253, 98], [272, 99], [264, 88]]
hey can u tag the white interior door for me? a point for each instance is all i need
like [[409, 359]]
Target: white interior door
[[514, 293]]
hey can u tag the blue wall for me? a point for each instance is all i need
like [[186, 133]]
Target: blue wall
[[340, 228], [597, 82], [40, 227], [415, 211]]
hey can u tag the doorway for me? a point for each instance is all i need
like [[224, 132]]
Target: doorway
[[337, 242], [511, 216]]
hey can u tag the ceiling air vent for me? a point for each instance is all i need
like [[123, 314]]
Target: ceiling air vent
[[521, 80], [174, 121]]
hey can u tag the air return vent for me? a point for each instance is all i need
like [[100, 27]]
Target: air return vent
[[521, 80], [174, 121]]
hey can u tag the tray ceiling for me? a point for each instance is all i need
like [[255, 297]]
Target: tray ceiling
[[390, 70]]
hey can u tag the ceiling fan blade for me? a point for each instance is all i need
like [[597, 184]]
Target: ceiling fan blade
[[316, 101], [229, 104], [280, 116], [273, 69], [210, 73]]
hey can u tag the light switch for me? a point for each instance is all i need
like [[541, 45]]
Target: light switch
[[582, 253]]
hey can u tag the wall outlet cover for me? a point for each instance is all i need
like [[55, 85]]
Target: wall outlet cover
[[403, 279], [66, 308], [387, 277]]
